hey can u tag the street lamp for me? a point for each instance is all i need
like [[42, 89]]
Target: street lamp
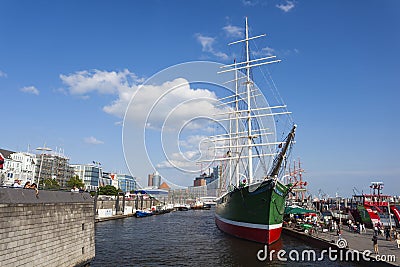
[[42, 149]]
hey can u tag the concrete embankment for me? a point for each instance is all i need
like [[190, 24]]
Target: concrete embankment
[[113, 217], [52, 228], [357, 244]]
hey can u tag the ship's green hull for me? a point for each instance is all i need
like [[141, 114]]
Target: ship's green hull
[[365, 218], [253, 215]]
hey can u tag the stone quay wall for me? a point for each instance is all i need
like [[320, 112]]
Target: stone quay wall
[[52, 228]]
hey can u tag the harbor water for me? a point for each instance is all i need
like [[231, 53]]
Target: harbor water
[[185, 238]]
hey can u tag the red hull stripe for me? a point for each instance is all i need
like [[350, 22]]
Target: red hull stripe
[[266, 234], [250, 225]]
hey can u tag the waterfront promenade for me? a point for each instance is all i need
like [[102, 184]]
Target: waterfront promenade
[[361, 242], [388, 250]]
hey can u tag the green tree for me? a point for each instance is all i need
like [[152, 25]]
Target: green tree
[[51, 184], [75, 181], [108, 190]]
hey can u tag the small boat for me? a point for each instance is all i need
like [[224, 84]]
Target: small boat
[[160, 209], [143, 213], [182, 208], [198, 205], [206, 206]]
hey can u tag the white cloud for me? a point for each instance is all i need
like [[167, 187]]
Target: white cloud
[[167, 97], [207, 45], [233, 31], [206, 42], [177, 114], [249, 3], [193, 140], [93, 140], [118, 106], [169, 105], [167, 108], [286, 7], [221, 55], [185, 160], [3, 74], [198, 148], [265, 51], [268, 51], [103, 82], [174, 164], [122, 84], [30, 90]]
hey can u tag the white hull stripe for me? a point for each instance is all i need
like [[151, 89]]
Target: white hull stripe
[[250, 225]]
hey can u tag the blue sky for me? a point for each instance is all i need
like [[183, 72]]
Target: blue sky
[[66, 68]]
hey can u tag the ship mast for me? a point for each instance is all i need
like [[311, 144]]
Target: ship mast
[[249, 130], [280, 157], [237, 167], [247, 114]]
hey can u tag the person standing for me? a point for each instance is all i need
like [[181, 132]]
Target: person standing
[[363, 228], [34, 187], [75, 189], [375, 243], [387, 234], [17, 184], [27, 185], [339, 232]]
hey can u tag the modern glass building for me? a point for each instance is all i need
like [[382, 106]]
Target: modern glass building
[[156, 180], [90, 174], [126, 182]]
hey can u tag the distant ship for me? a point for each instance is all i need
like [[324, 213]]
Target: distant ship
[[376, 208], [252, 196]]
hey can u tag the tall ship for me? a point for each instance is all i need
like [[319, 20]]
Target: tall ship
[[252, 194]]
